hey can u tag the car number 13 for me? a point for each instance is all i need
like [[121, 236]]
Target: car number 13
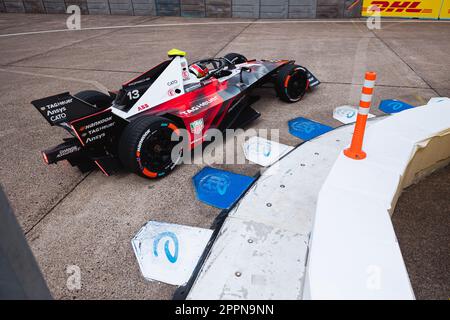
[[133, 95]]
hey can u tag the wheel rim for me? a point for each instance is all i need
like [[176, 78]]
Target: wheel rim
[[297, 85], [156, 150]]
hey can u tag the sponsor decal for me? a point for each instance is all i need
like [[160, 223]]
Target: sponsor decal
[[172, 258], [102, 128], [59, 116], [409, 9], [95, 138], [143, 107], [197, 126], [142, 140], [96, 130], [97, 123], [171, 83], [67, 151], [199, 106], [185, 75], [445, 10], [215, 183], [171, 92], [56, 111], [58, 104]]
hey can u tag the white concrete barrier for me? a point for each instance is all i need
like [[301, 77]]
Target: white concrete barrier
[[264, 249], [354, 253]]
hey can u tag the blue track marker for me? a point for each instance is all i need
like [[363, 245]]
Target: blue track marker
[[220, 188], [393, 106], [307, 129]]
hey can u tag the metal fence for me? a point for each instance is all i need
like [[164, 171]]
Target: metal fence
[[276, 9]]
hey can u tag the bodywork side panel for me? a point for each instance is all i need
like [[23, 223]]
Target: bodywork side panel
[[207, 106]]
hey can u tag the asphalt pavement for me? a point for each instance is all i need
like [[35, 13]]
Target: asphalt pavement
[[88, 220]]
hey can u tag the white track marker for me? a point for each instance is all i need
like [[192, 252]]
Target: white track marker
[[169, 252], [264, 152], [347, 114]]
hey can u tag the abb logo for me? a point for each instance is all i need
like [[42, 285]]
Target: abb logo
[[143, 107], [398, 6]]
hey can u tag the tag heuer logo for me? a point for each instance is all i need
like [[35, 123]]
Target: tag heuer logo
[[197, 126]]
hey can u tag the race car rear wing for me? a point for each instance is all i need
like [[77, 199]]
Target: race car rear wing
[[95, 132], [63, 108]]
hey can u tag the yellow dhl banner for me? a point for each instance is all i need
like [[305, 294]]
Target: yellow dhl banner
[[426, 9], [445, 11]]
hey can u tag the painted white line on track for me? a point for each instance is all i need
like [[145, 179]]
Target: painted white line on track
[[215, 23], [97, 84]]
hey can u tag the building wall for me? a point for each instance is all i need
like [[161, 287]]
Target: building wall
[[98, 7], [81, 3], [54, 6], [263, 9], [144, 7], [218, 8], [34, 6], [14, 6]]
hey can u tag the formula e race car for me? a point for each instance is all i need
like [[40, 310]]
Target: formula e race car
[[134, 127]]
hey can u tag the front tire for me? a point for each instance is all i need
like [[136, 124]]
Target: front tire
[[291, 83], [145, 146]]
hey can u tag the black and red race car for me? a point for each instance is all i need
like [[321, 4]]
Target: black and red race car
[[134, 127]]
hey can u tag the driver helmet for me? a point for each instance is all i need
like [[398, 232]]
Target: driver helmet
[[198, 70]]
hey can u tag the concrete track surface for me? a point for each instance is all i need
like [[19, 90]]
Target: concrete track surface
[[89, 219]]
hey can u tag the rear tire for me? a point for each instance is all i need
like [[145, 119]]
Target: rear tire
[[235, 58], [96, 98], [291, 83], [145, 146]]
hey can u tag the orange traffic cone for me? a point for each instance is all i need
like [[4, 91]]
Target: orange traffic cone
[[355, 151]]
